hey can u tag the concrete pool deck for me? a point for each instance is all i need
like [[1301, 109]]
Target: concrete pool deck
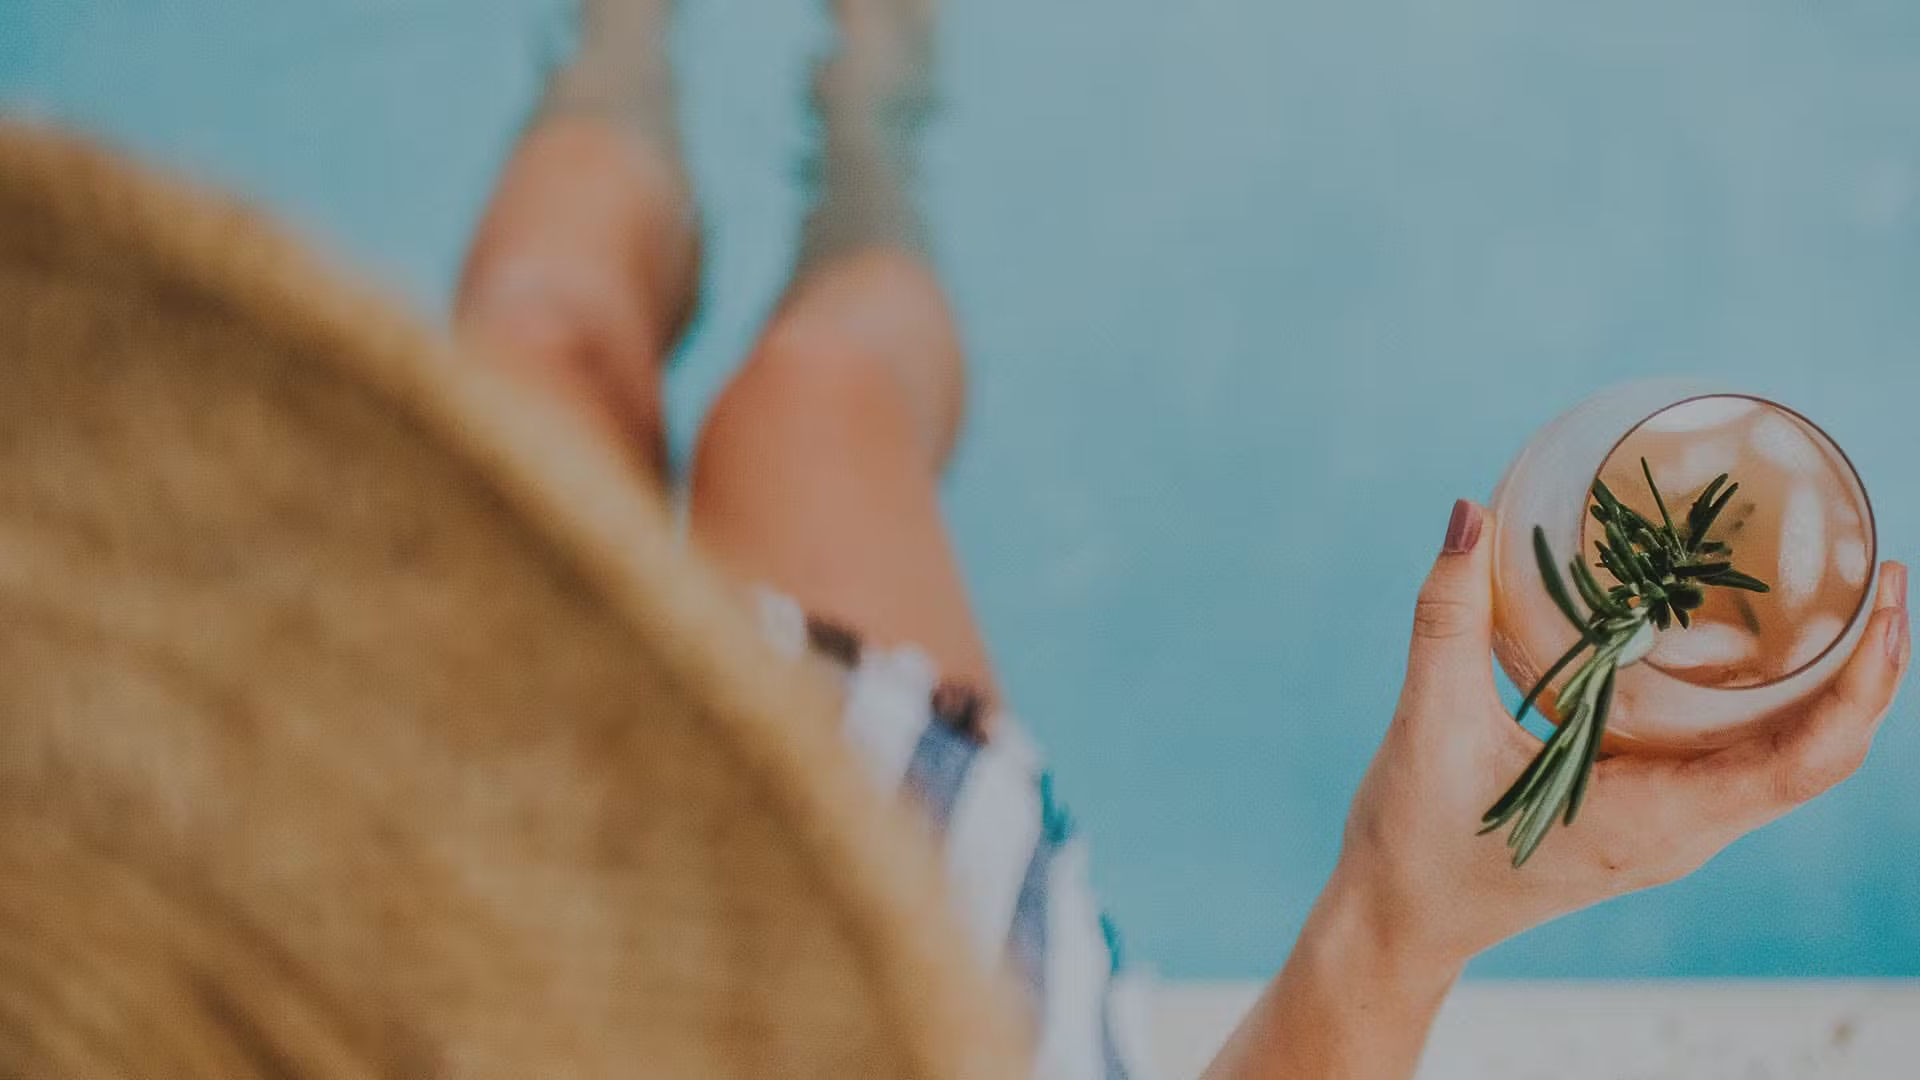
[[1655, 1030]]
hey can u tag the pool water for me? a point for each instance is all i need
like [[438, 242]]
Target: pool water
[[1254, 290]]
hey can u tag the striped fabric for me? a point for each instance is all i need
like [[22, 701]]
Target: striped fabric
[[1017, 867]]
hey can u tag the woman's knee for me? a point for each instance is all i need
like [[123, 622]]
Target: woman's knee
[[818, 391], [860, 361], [594, 361]]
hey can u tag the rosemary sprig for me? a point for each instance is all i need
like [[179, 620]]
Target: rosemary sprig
[[1661, 571]]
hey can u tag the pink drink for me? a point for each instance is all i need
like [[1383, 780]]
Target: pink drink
[[1800, 522], [1794, 524]]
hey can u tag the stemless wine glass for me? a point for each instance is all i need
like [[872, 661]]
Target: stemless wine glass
[[1801, 522]]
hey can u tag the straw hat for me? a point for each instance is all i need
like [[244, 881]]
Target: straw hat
[[359, 718]]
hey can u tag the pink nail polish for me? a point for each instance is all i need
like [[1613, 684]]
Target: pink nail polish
[[1463, 529]]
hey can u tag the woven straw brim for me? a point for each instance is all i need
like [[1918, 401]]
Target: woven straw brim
[[360, 718]]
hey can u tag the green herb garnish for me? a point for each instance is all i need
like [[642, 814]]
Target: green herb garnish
[[1661, 572]]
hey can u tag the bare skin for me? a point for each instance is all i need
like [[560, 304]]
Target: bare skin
[[585, 266], [818, 472], [819, 468]]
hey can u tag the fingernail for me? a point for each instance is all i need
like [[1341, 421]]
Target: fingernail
[[1463, 529], [1897, 633], [1897, 584]]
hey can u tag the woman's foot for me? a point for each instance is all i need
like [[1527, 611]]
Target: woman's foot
[[585, 267]]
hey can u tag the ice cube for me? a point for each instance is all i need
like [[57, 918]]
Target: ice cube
[[1705, 645], [1785, 443], [1850, 559], [1819, 632], [1701, 414], [1803, 544], [1681, 480]]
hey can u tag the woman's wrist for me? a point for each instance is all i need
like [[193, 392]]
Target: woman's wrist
[[1358, 930], [1355, 999]]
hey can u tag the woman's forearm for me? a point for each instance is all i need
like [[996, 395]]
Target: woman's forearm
[[1348, 1004]]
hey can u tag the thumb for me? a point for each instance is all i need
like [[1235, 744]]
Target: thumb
[[1453, 618]]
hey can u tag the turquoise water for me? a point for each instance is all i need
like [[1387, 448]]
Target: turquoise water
[[1255, 289]]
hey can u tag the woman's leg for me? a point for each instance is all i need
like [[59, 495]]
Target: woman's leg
[[585, 264], [818, 470]]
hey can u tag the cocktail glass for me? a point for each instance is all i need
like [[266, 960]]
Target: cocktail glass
[[1801, 522]]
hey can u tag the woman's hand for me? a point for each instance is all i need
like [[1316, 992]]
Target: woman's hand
[[1411, 857], [1416, 893]]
